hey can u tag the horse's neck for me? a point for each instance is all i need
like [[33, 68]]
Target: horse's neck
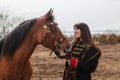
[[25, 51]]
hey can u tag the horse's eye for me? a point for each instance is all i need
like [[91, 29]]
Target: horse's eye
[[53, 29]]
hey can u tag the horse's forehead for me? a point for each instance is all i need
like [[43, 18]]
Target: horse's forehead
[[52, 23]]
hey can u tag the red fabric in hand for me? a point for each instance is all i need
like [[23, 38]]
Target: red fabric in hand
[[73, 62]]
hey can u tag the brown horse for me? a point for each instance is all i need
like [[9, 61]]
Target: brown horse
[[18, 46]]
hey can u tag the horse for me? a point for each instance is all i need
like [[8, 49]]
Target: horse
[[18, 46]]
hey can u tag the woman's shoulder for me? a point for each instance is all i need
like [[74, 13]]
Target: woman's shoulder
[[93, 52], [93, 49]]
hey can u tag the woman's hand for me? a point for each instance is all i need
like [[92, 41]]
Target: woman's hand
[[62, 53]]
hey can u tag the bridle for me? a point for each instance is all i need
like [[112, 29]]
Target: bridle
[[46, 30]]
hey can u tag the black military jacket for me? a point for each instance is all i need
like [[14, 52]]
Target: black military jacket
[[88, 57]]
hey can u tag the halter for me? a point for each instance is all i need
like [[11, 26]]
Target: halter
[[46, 31]]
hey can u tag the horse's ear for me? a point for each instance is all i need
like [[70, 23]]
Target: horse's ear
[[48, 14]]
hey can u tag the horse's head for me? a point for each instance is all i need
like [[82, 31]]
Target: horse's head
[[52, 36]]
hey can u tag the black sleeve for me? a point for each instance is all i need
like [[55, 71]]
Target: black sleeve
[[90, 62]]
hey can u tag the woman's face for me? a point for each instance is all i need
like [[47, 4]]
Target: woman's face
[[77, 33]]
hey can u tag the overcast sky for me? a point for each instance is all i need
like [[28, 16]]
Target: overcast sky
[[98, 14]]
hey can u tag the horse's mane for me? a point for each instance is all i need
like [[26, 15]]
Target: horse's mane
[[1, 44], [16, 37]]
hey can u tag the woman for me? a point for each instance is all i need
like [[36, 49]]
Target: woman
[[83, 57]]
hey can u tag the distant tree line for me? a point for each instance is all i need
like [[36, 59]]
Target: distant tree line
[[8, 22], [108, 38]]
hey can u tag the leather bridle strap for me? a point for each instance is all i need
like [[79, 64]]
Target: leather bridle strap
[[57, 44], [46, 31]]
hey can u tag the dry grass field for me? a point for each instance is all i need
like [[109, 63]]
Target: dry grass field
[[47, 67]]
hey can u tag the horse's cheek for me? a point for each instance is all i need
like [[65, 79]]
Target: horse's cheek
[[39, 38]]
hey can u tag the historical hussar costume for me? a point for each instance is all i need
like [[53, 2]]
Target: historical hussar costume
[[84, 60]]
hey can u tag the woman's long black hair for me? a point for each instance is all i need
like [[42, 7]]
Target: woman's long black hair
[[85, 33]]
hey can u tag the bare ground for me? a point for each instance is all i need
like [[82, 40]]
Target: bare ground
[[47, 67]]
